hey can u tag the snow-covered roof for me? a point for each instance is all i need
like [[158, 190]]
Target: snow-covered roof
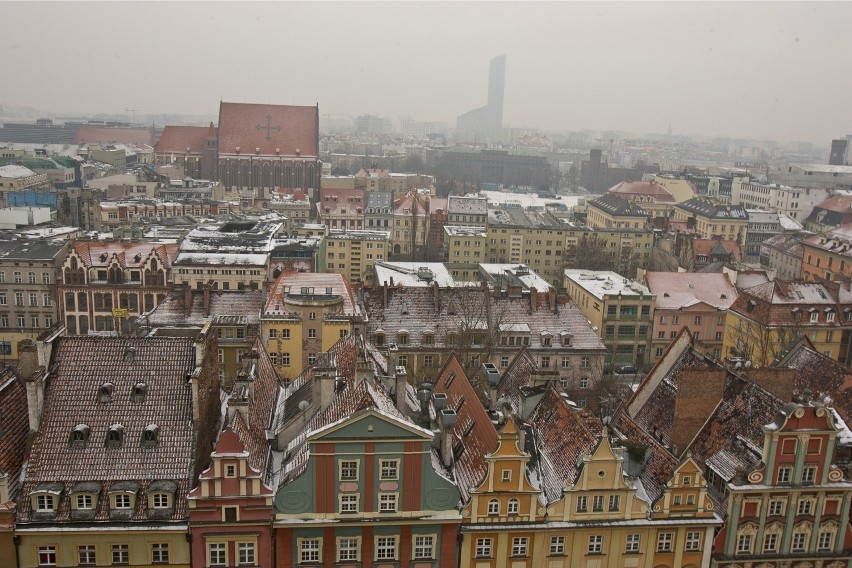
[[15, 171], [414, 274], [602, 283], [217, 258]]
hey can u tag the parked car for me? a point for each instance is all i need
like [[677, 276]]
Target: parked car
[[626, 370]]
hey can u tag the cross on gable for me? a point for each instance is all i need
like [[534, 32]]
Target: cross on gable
[[269, 128]]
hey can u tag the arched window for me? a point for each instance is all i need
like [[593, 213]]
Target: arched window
[[494, 507], [311, 175], [514, 506], [150, 436], [298, 181], [267, 172], [288, 176], [222, 173], [115, 436], [255, 174], [235, 173], [79, 436], [105, 393], [245, 175], [276, 175]]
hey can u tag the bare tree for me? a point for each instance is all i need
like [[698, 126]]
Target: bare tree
[[758, 343], [589, 253], [479, 322]]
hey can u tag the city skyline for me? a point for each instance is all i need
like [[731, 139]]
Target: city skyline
[[745, 70]]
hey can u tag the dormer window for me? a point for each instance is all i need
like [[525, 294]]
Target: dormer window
[[161, 495], [139, 392], [115, 436], [160, 501], [45, 503], [45, 497], [150, 436], [79, 436], [105, 393]]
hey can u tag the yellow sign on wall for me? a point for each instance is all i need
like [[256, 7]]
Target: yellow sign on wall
[[119, 312]]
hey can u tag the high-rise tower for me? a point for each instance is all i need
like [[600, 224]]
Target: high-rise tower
[[485, 123]]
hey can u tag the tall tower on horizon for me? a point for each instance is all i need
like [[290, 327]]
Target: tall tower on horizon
[[486, 123]]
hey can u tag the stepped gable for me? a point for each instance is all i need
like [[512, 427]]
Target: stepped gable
[[562, 437], [82, 366]]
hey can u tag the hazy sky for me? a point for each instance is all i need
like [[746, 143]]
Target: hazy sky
[[759, 70]]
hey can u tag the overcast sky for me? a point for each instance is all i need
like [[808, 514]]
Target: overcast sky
[[756, 70]]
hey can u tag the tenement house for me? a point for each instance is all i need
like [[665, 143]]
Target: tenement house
[[708, 219], [526, 236]]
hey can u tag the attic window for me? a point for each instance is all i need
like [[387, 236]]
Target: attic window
[[79, 436], [150, 436], [450, 378], [115, 436], [103, 257], [105, 393], [139, 392]]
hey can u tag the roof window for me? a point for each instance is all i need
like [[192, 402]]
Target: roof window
[[150, 436], [79, 436], [105, 393], [115, 436], [139, 392]]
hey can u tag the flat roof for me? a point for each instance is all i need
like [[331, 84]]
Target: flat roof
[[601, 283]]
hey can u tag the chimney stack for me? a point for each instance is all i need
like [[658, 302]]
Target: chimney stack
[[533, 298], [436, 296], [492, 376], [27, 370], [207, 288], [385, 294], [447, 419], [400, 386], [187, 300], [551, 297]]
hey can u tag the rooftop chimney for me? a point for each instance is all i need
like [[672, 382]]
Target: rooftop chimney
[[436, 293], [699, 392], [187, 300], [533, 298], [492, 375], [551, 298], [33, 380], [447, 419]]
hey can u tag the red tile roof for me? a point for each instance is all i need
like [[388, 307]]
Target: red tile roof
[[274, 129], [704, 247], [655, 192], [98, 135], [838, 203], [82, 365], [473, 433], [180, 139], [14, 427]]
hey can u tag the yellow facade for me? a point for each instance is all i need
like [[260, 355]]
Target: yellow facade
[[465, 245], [352, 254], [282, 337], [541, 249], [760, 343], [600, 522], [599, 219], [108, 546]]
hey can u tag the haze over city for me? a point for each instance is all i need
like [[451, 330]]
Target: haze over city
[[751, 70]]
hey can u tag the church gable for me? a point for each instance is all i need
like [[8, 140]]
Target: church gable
[[271, 130], [370, 424]]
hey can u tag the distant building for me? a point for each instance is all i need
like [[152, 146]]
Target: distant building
[[353, 253], [613, 211], [709, 219], [485, 123], [796, 202], [837, 157], [827, 256], [783, 254], [467, 211], [830, 214], [514, 167]]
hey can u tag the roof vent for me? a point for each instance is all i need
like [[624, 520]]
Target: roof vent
[[129, 354]]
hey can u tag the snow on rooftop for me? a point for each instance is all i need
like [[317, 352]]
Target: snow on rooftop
[[602, 283], [530, 199], [15, 171], [414, 274]]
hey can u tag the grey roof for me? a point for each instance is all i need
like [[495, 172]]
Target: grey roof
[[30, 249], [712, 210], [618, 206]]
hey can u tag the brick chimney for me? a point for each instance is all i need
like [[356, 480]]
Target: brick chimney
[[28, 370], [207, 288], [187, 300], [699, 391], [551, 299], [533, 298], [777, 381], [436, 293]]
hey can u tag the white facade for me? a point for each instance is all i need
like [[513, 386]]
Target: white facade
[[793, 201]]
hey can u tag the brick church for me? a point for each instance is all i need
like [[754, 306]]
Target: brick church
[[257, 150]]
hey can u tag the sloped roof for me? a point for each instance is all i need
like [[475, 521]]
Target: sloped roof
[[182, 139], [561, 439], [632, 189], [82, 365], [711, 210], [172, 310], [104, 135], [129, 255], [292, 284], [473, 434], [273, 129], [779, 301], [708, 247], [15, 171], [14, 428], [682, 289], [618, 205]]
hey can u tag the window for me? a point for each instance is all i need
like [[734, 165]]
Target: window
[[483, 547], [784, 474], [595, 544], [514, 507], [18, 279], [387, 502], [19, 298], [424, 547], [84, 502], [504, 360], [664, 542], [693, 541], [545, 362], [389, 469], [161, 501], [776, 507], [348, 471], [614, 502], [349, 503], [586, 362], [312, 334], [160, 553], [285, 333], [632, 544], [230, 471], [506, 475], [309, 550], [557, 545], [44, 503], [798, 543], [824, 541], [312, 316], [597, 503], [33, 299], [770, 542], [581, 504], [808, 474], [744, 544], [46, 554], [347, 549], [273, 333], [285, 359], [805, 507], [120, 554], [231, 514], [520, 546], [245, 554], [86, 555], [494, 507], [386, 548]]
